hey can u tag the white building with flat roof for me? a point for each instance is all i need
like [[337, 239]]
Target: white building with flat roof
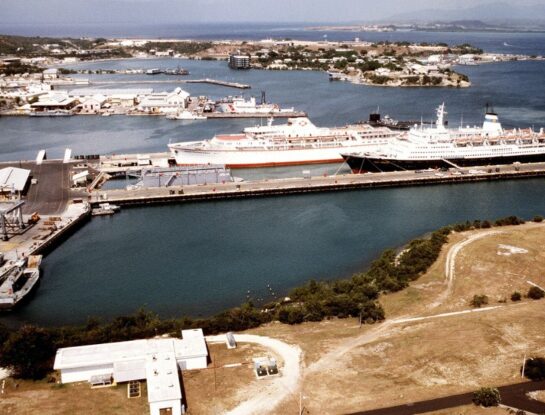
[[164, 392], [158, 361], [13, 179]]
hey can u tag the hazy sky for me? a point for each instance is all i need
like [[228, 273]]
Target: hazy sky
[[172, 11]]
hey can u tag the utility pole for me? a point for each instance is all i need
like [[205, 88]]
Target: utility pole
[[523, 366], [300, 403]]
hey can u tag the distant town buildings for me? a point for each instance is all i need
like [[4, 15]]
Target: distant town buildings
[[239, 61]]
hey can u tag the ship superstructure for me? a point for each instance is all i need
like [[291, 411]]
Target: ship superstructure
[[297, 142], [440, 147]]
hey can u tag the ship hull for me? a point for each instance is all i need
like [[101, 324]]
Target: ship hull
[[262, 158], [364, 164]]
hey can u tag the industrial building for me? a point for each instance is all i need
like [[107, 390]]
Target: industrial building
[[13, 180], [54, 101], [239, 61], [165, 102], [184, 176], [158, 361]]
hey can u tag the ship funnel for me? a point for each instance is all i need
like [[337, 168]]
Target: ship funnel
[[492, 126]]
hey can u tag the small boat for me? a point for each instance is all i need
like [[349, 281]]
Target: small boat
[[154, 71], [177, 71], [105, 209], [186, 115], [18, 281]]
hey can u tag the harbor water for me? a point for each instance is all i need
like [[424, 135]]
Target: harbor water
[[198, 259]]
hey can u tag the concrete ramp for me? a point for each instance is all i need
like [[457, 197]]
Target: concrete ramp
[[67, 156], [41, 157]]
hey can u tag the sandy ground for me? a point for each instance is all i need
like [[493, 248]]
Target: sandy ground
[[268, 395], [538, 395]]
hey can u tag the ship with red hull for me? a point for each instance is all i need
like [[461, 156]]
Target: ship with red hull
[[298, 142]]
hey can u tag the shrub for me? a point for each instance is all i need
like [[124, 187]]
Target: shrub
[[28, 352], [291, 315], [516, 296], [535, 293], [487, 397], [479, 300], [535, 369], [485, 224], [538, 218], [509, 220]]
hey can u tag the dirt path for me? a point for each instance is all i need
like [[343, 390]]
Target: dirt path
[[387, 328], [276, 389], [450, 265]]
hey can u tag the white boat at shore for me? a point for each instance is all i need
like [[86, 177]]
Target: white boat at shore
[[298, 142], [186, 115], [239, 105], [17, 281], [105, 209]]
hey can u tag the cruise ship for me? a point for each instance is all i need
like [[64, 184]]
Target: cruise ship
[[436, 146], [298, 142]]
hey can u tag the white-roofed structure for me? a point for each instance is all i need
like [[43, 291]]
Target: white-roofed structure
[[164, 392], [157, 360], [13, 179], [94, 103], [165, 102], [51, 73], [54, 101]]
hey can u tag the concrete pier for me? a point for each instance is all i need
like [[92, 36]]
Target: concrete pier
[[279, 187], [286, 114], [227, 84]]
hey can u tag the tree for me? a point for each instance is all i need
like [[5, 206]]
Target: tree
[[538, 218], [4, 334], [535, 293], [487, 397], [28, 352], [291, 315], [479, 300], [516, 296], [535, 369]]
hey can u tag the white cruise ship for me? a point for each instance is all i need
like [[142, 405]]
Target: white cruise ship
[[440, 147], [298, 142]]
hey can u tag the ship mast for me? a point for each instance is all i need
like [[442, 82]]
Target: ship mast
[[441, 113]]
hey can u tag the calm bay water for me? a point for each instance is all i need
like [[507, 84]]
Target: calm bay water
[[201, 258]]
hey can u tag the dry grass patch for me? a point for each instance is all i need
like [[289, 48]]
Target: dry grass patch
[[218, 389], [46, 398], [501, 264], [429, 359]]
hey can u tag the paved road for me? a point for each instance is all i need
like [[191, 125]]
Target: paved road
[[512, 395], [51, 193]]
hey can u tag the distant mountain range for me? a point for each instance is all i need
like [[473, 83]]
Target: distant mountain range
[[497, 13]]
